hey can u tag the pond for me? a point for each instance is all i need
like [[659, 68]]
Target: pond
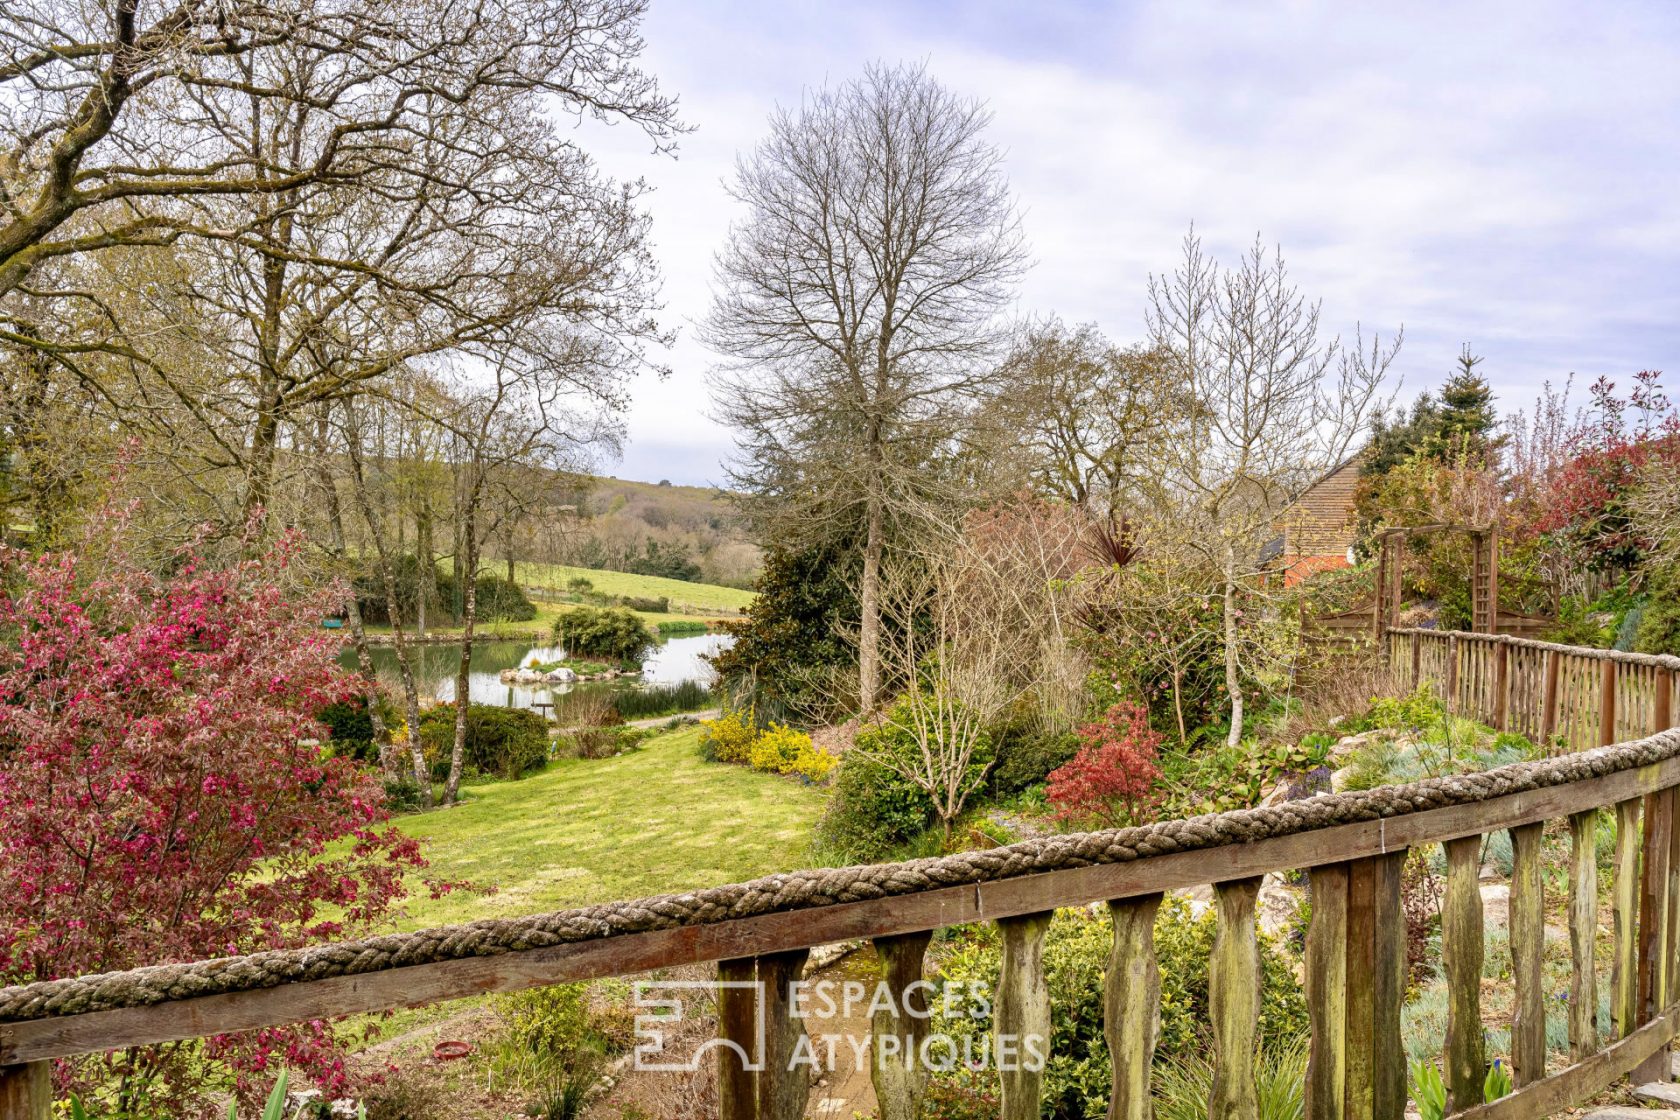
[[673, 661]]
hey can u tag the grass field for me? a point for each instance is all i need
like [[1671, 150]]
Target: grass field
[[653, 821], [706, 601], [686, 598]]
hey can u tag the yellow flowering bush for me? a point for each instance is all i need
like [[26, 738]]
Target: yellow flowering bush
[[782, 750], [729, 738], [779, 749]]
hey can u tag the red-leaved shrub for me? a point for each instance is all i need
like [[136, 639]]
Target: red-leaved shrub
[[164, 798], [1111, 780]]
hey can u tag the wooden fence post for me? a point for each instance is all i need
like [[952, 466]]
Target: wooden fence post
[[1417, 660], [1624, 910], [1461, 954], [1583, 929], [784, 1085], [1662, 702], [1653, 923], [1131, 1005], [1022, 1017], [1234, 1002], [1606, 702], [1375, 1083], [738, 1022], [1549, 698], [1454, 651], [1528, 945], [26, 1091], [1502, 686], [1327, 992], [899, 1076]]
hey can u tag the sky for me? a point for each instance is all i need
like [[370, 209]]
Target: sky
[[1502, 174]]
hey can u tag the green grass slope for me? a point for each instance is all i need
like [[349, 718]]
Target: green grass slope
[[686, 598], [653, 821]]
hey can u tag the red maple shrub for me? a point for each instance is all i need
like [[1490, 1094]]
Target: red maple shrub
[[1111, 781], [164, 796]]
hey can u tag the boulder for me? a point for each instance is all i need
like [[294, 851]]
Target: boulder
[[562, 675], [530, 676]]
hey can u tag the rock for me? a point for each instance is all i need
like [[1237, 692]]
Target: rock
[[1496, 904], [508, 676], [1277, 905], [562, 675], [529, 676]]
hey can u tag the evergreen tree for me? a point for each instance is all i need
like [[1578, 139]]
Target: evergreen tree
[[1467, 418]]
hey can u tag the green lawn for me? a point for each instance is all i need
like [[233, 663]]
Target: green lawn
[[686, 598], [653, 821]]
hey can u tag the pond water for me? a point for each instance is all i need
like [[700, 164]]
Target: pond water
[[673, 661]]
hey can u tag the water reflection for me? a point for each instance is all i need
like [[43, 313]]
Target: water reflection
[[673, 661]]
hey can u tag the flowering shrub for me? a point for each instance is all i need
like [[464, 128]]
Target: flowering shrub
[[729, 738], [1111, 780], [782, 750], [165, 798], [779, 749]]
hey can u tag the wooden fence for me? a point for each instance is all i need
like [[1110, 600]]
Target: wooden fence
[[1565, 698], [1351, 846]]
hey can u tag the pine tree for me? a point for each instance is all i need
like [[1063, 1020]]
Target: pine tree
[[1467, 420]]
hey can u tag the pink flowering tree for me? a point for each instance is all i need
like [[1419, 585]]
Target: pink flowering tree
[[164, 796], [1111, 781]]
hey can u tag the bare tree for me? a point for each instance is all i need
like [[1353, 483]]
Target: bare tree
[[1074, 414], [953, 639], [115, 114], [857, 302], [1275, 405]]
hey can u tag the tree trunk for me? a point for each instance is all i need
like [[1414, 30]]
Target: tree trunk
[[428, 562], [353, 609], [469, 614], [382, 560], [1233, 675], [869, 605]]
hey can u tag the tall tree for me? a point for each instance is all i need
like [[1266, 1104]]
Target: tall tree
[[856, 304], [1276, 406]]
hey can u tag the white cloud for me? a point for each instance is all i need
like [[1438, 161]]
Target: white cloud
[[1494, 173]]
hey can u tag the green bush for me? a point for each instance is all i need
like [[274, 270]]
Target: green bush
[[1076, 949], [683, 626], [1182, 1086], [610, 632], [350, 729], [1025, 758], [661, 605], [506, 742], [402, 795], [497, 600], [874, 810], [1659, 622]]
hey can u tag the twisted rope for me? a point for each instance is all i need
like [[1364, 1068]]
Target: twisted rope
[[802, 890]]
